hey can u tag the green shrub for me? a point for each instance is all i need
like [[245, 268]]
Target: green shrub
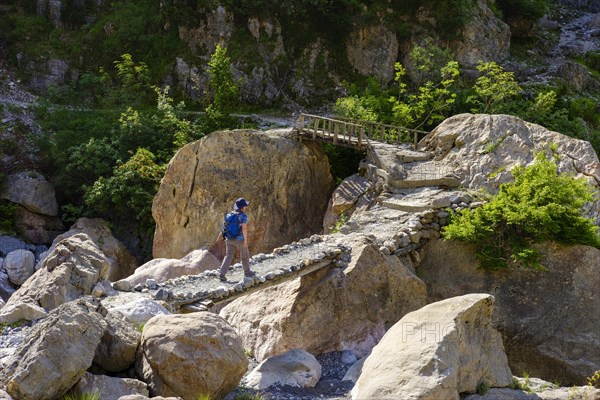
[[539, 205], [494, 87], [129, 191]]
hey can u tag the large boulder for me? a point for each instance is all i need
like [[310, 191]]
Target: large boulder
[[190, 354], [19, 265], [437, 352], [163, 269], [359, 303], [483, 149], [287, 183], [122, 263], [544, 316], [294, 368], [70, 271], [118, 346], [32, 191], [108, 387], [37, 228], [55, 353]]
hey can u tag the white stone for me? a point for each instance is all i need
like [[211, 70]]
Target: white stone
[[19, 265], [294, 368]]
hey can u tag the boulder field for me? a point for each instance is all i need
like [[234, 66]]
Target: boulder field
[[427, 323]]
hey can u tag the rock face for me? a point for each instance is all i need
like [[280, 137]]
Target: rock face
[[372, 51], [295, 368], [36, 228], [19, 265], [345, 199], [190, 354], [287, 183], [484, 37], [122, 263], [32, 191], [163, 269], [55, 354], [358, 303], [437, 352], [70, 271], [484, 148], [544, 316], [107, 387], [118, 345]]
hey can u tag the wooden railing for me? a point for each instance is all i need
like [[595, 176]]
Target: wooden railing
[[331, 130], [390, 133], [354, 133]]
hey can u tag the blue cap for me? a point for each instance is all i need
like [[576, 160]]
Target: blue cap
[[240, 203]]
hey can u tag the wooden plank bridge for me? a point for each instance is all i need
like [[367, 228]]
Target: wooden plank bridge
[[353, 133]]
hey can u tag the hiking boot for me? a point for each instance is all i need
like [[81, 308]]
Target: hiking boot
[[222, 278]]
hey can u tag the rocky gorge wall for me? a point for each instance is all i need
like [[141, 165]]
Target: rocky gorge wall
[[269, 54], [545, 317]]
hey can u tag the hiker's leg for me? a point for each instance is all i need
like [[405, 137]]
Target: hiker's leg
[[229, 253], [245, 255]]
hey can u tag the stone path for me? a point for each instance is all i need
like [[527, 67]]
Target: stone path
[[283, 264], [400, 221]]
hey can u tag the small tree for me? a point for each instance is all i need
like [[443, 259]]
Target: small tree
[[223, 91], [129, 191], [539, 205], [493, 87], [428, 105]]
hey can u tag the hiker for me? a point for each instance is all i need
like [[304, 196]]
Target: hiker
[[235, 233]]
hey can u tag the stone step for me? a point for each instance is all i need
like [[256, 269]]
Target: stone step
[[419, 200], [423, 174]]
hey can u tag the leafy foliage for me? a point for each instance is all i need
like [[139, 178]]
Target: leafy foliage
[[539, 205], [223, 91], [493, 88], [428, 105], [131, 188]]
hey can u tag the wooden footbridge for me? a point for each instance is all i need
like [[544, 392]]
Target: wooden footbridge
[[353, 133]]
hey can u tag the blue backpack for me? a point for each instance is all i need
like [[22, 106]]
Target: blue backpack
[[231, 225]]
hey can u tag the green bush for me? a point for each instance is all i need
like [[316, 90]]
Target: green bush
[[129, 191], [539, 205]]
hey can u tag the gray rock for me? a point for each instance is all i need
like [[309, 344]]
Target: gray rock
[[9, 244], [348, 357], [437, 352], [135, 307], [19, 265], [55, 353], [32, 191], [294, 368], [70, 271], [117, 348], [108, 388]]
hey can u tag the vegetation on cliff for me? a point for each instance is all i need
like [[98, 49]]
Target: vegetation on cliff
[[539, 205], [113, 122]]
